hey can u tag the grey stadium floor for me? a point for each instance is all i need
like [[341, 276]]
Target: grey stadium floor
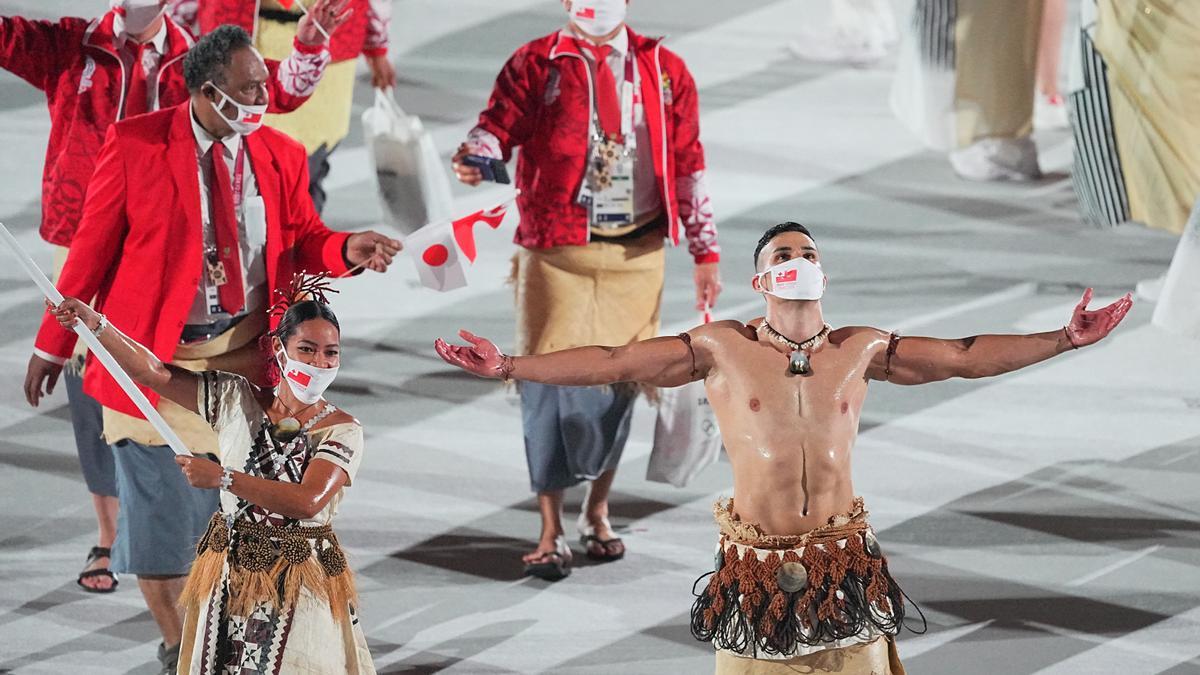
[[1046, 522]]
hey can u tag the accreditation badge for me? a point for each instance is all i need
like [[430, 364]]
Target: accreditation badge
[[608, 185]]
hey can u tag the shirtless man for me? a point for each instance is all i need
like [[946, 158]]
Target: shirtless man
[[800, 579]]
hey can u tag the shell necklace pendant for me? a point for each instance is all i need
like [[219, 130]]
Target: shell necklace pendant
[[798, 363], [798, 360], [287, 429]]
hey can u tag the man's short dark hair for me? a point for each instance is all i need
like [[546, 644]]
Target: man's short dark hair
[[777, 230], [213, 52]]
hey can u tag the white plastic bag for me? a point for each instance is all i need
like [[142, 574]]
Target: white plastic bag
[[414, 186], [686, 437], [922, 95]]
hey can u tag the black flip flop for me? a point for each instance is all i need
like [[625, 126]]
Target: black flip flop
[[95, 554], [588, 539], [555, 568]]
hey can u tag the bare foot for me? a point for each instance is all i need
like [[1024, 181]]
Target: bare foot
[[98, 582], [544, 548]]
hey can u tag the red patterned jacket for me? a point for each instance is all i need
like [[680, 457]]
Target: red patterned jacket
[[366, 32], [541, 103], [74, 62]]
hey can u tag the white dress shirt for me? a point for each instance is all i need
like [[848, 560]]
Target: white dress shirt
[[151, 59], [252, 230]]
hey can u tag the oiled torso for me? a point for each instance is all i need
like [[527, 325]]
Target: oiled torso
[[789, 437]]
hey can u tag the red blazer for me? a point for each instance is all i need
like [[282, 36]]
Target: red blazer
[[138, 247], [541, 103], [73, 62]]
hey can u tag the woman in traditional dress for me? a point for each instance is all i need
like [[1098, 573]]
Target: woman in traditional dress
[[270, 591]]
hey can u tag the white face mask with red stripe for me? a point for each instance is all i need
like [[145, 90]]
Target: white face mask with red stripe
[[795, 279], [249, 118], [597, 17], [306, 381]]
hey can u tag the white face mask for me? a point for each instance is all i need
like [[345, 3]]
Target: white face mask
[[249, 119], [795, 279], [306, 381], [597, 17], [138, 15]]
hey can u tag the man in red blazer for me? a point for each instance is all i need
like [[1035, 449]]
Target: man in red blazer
[[126, 62], [193, 220]]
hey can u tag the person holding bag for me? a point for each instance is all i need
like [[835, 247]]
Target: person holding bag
[[611, 165]]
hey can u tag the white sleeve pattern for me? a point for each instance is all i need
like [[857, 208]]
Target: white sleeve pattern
[[300, 72], [695, 210], [379, 19]]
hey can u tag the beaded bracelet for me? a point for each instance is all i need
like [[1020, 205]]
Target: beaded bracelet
[[226, 479]]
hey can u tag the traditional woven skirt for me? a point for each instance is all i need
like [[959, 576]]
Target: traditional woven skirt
[[795, 598], [270, 601]]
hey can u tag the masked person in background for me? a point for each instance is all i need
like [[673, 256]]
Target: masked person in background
[[270, 557], [194, 219], [325, 121], [94, 72], [594, 100], [800, 584]]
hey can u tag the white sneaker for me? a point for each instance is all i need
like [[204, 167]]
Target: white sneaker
[[1050, 112], [997, 159]]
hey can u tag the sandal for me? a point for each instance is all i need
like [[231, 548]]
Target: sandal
[[601, 550], [95, 554], [554, 566]]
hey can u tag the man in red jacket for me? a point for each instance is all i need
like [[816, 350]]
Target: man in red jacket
[[325, 120], [610, 166], [95, 72], [193, 220]]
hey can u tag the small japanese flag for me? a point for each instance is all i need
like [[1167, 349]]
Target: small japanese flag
[[436, 256], [464, 228], [287, 4]]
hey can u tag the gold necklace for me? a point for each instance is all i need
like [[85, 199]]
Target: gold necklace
[[798, 361]]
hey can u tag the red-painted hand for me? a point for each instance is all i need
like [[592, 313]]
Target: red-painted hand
[[1091, 326], [482, 357]]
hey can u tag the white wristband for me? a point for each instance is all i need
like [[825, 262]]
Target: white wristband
[[226, 479]]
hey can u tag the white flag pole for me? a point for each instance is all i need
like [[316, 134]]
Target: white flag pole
[[93, 343]]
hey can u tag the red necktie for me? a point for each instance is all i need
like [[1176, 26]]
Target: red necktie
[[607, 105], [135, 93], [225, 231]]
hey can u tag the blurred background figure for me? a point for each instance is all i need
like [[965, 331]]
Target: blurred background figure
[[611, 165], [1049, 108], [858, 32], [324, 121], [1142, 61], [965, 84]]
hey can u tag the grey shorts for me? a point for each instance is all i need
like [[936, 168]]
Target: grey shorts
[[161, 516], [573, 434], [95, 456]]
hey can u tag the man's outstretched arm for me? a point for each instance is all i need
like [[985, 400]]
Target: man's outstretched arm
[[918, 360], [662, 362]]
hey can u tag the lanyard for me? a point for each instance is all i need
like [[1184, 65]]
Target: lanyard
[[238, 173]]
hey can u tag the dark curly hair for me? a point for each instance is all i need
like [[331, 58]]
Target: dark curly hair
[[207, 59], [777, 230]]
